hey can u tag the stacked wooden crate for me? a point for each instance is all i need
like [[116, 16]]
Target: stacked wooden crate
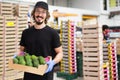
[[105, 53], [21, 25], [20, 10], [9, 44], [118, 46], [11, 28], [6, 8], [92, 52], [68, 63], [1, 46], [113, 61], [106, 71]]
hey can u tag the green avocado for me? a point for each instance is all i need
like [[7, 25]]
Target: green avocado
[[35, 63], [15, 60], [28, 59], [41, 60]]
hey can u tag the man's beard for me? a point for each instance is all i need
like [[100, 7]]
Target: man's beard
[[38, 23]]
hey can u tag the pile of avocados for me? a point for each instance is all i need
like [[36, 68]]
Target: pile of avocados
[[29, 60]]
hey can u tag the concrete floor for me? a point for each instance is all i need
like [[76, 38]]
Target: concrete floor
[[58, 78]]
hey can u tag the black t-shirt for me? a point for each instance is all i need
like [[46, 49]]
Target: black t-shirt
[[40, 42]]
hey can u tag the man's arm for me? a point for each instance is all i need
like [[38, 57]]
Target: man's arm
[[59, 55]]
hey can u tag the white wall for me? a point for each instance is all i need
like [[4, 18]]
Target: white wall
[[115, 21], [86, 4], [62, 3], [79, 12]]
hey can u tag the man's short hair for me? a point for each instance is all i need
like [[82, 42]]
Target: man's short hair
[[105, 27]]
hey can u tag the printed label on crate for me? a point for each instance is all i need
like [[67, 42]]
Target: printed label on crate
[[10, 24]]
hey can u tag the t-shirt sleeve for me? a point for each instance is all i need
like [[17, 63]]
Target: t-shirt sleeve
[[56, 40], [22, 41]]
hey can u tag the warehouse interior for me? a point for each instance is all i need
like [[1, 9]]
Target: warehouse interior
[[86, 54]]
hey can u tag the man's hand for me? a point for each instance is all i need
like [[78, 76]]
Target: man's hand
[[15, 55], [18, 54], [50, 64]]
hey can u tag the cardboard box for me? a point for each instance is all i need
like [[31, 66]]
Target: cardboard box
[[39, 71]]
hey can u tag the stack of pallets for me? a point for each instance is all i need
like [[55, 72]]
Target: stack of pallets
[[112, 61], [106, 71], [105, 53], [6, 9], [21, 25], [9, 43], [118, 46], [92, 52], [11, 27], [68, 63], [20, 10], [1, 46]]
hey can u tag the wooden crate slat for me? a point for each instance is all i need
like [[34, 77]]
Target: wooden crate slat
[[92, 35], [10, 47], [91, 44], [1, 29], [90, 78], [90, 26], [1, 73], [9, 29], [9, 43], [91, 53], [1, 64], [1, 17], [10, 32], [92, 31], [21, 29], [91, 73], [90, 49], [10, 50], [5, 4], [91, 59], [1, 33], [22, 22], [23, 6], [7, 40], [23, 12], [91, 63], [1, 24], [1, 52], [9, 55], [10, 36], [6, 9]]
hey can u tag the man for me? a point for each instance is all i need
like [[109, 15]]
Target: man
[[41, 40], [106, 31]]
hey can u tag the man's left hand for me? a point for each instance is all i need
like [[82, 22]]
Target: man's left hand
[[50, 64]]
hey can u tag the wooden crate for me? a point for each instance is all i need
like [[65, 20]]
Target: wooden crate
[[118, 46], [6, 9], [9, 44], [14, 75], [92, 52], [21, 25], [91, 78], [21, 10], [1, 66], [1, 47], [91, 30]]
